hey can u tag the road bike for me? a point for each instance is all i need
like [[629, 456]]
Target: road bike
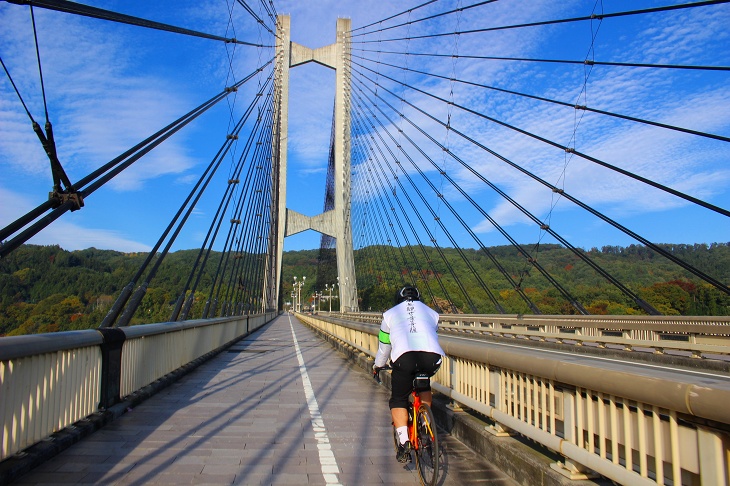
[[421, 431]]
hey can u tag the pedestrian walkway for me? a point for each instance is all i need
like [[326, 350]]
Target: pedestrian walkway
[[279, 407]]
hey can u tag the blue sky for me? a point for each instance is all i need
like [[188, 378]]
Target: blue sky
[[110, 86]]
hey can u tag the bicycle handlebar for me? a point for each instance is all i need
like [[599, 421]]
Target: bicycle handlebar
[[377, 370]]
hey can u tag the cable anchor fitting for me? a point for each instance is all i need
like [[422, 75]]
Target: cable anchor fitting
[[59, 198]]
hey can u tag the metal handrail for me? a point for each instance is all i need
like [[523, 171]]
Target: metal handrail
[[697, 336], [718, 324]]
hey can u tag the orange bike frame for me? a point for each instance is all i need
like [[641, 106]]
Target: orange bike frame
[[412, 435]]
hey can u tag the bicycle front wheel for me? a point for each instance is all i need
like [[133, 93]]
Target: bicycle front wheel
[[427, 450]]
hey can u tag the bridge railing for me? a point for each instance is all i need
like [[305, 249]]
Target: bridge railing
[[50, 381], [630, 427], [696, 336]]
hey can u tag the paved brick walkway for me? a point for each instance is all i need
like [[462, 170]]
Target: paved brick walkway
[[249, 416]]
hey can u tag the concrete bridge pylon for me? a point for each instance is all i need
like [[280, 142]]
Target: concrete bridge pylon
[[337, 222]]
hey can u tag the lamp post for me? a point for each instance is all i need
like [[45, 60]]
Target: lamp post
[[338, 293], [330, 296], [299, 298], [298, 286], [294, 291]]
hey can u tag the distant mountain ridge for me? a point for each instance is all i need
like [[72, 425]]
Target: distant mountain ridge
[[47, 289]]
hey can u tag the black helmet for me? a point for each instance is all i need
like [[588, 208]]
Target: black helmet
[[409, 292]]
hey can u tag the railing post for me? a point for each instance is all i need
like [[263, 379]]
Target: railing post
[[502, 391], [111, 366], [568, 467], [713, 456]]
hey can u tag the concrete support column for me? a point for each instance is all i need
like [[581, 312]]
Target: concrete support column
[[343, 225], [279, 154]]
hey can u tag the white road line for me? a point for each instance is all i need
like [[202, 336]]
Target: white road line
[[327, 461]]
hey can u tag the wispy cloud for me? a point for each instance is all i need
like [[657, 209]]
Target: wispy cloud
[[67, 234], [110, 86], [99, 103], [681, 161]]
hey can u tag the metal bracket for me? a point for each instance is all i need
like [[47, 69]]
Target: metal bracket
[[572, 470], [64, 197], [499, 430]]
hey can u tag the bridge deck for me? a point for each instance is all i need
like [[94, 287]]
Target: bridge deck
[[249, 416]]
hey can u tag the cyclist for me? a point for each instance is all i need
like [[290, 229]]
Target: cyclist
[[408, 337]]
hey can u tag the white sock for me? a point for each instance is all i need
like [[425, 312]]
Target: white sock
[[402, 434]]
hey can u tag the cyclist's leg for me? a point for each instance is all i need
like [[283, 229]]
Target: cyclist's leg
[[401, 386], [399, 416], [428, 363], [401, 380]]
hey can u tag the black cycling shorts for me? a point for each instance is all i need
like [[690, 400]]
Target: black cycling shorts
[[404, 372]]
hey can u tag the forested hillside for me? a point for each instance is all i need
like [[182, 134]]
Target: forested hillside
[[653, 278], [47, 289]]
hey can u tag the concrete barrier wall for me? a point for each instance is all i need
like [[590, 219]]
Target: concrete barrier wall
[[50, 381]]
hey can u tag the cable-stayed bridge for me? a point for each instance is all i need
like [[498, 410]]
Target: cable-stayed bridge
[[447, 138]]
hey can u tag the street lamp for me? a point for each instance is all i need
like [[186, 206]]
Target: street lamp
[[298, 286], [338, 293]]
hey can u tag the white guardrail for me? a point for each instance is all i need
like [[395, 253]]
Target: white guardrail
[[696, 336], [633, 429], [49, 381]]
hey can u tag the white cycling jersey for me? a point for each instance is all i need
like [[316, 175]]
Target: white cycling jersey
[[409, 326]]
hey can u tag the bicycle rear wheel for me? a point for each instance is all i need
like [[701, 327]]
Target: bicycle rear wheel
[[427, 451]]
